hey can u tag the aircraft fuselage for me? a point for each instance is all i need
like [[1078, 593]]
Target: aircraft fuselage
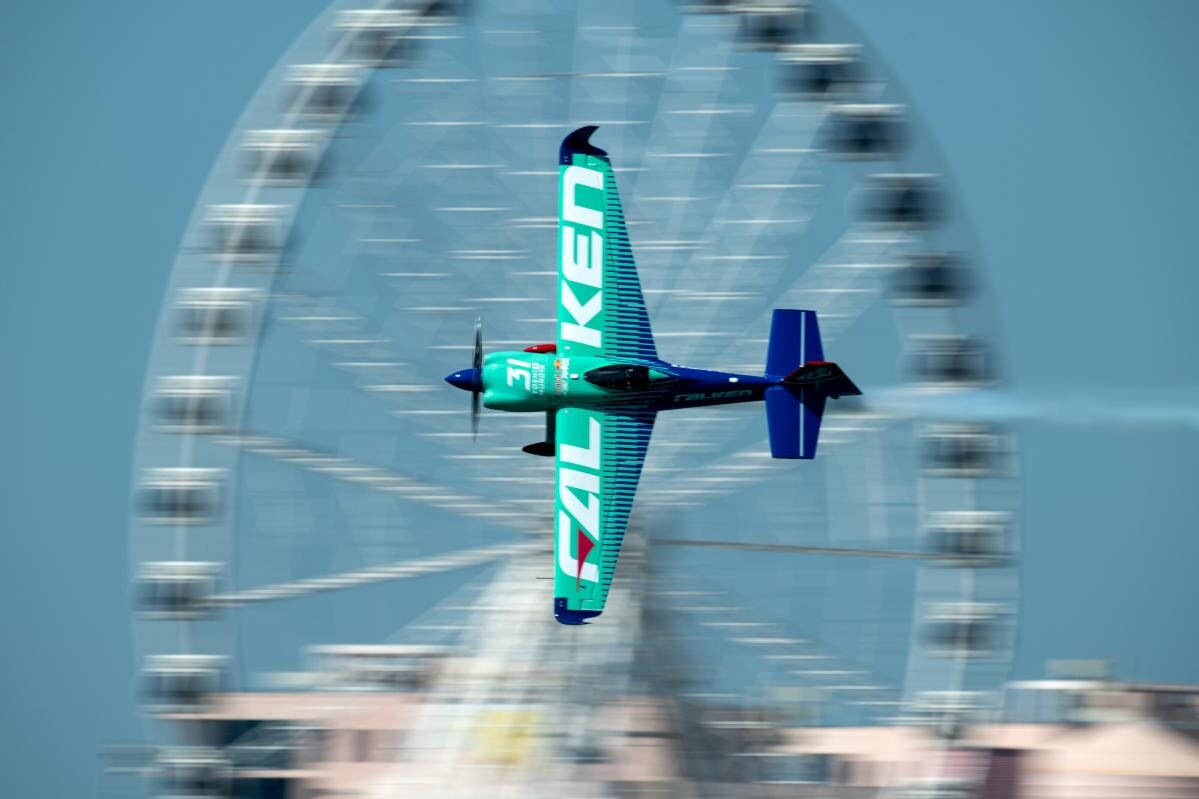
[[533, 381]]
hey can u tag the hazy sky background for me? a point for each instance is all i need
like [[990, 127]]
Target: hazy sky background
[[1070, 131]]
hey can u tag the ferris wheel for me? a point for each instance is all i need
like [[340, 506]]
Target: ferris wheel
[[304, 479]]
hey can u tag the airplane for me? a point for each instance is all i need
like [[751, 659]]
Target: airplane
[[602, 384]]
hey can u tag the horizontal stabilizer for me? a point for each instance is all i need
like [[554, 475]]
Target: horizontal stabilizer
[[823, 376]]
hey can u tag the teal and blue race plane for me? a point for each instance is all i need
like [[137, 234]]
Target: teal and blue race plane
[[601, 384]]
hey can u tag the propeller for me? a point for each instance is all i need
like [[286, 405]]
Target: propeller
[[476, 363], [472, 379]]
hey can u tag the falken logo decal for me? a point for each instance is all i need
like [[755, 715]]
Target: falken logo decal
[[582, 258], [579, 498], [707, 395]]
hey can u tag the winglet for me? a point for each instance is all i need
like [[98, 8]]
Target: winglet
[[578, 142], [565, 615]]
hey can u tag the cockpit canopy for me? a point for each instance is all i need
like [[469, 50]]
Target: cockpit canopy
[[619, 377]]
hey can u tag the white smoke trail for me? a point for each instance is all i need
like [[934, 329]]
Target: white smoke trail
[[1171, 408]]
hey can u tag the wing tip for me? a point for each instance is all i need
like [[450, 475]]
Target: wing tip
[[565, 615], [578, 141]]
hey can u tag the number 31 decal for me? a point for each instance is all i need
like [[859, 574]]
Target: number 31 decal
[[519, 370]]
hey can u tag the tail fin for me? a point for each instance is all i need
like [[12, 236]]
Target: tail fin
[[795, 358], [794, 340]]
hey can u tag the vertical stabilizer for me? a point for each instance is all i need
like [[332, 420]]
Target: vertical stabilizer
[[794, 340]]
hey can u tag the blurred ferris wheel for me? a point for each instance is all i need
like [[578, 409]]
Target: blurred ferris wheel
[[304, 478]]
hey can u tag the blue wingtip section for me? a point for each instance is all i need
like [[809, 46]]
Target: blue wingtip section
[[794, 340], [565, 615], [578, 141]]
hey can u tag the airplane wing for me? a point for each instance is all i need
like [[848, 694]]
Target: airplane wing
[[600, 307], [598, 463]]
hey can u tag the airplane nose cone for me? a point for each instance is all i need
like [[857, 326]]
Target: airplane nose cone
[[466, 379]]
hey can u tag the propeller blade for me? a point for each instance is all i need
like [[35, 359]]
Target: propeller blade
[[478, 364], [478, 361], [474, 413]]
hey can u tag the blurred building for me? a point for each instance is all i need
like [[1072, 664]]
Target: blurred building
[[1060, 738], [407, 720]]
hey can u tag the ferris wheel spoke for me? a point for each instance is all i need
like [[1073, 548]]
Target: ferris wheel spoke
[[805, 660], [336, 331], [743, 229], [380, 370], [676, 154], [374, 478], [843, 282], [849, 279], [401, 570], [721, 473], [799, 549], [382, 373]]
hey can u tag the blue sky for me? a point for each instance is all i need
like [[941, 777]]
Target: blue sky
[[1069, 128]]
